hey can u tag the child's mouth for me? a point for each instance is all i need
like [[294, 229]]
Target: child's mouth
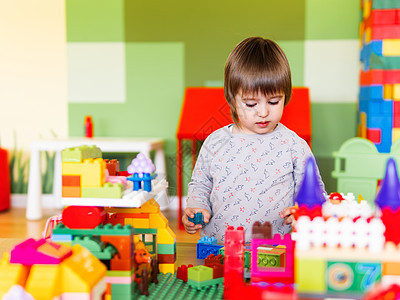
[[262, 124]]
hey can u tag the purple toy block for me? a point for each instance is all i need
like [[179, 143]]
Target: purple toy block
[[389, 193], [310, 193]]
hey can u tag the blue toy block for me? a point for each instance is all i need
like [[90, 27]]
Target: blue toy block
[[61, 237], [204, 250], [208, 240], [376, 107], [198, 219], [137, 181], [371, 92]]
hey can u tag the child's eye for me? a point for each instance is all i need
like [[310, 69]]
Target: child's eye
[[273, 102], [250, 104]]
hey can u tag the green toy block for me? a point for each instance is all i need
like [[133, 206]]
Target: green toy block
[[120, 273], [78, 154], [122, 291], [247, 258], [203, 284], [200, 273], [166, 248], [385, 4], [92, 243], [221, 251], [310, 275], [270, 260], [352, 277], [384, 62], [145, 231], [109, 190], [107, 229]]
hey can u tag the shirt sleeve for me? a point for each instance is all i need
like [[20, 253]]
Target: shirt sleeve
[[201, 184], [300, 153]]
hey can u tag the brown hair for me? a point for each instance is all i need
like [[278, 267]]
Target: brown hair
[[256, 64]]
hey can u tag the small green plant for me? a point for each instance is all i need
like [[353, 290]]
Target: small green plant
[[18, 170]]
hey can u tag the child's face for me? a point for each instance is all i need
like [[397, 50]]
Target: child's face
[[259, 113]]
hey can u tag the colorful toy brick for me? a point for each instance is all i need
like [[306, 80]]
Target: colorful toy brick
[[197, 219], [83, 217], [205, 249], [112, 166], [79, 154], [182, 272], [108, 190]]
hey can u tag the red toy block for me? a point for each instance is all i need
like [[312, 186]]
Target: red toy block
[[112, 165], [71, 180], [166, 258], [396, 108], [213, 259], [218, 270], [5, 186], [374, 135], [381, 17], [71, 191], [380, 32], [397, 18], [182, 272], [123, 244], [83, 217], [391, 219]]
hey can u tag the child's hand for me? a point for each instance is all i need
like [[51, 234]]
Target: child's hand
[[190, 227], [288, 214]]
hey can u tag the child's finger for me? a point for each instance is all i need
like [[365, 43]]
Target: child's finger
[[285, 212], [206, 216], [289, 220], [189, 212]]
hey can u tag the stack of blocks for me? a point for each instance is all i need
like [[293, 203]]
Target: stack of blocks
[[113, 245], [379, 98], [45, 270], [148, 220], [343, 255], [83, 174]]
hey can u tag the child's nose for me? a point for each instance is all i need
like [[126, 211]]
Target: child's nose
[[263, 111]]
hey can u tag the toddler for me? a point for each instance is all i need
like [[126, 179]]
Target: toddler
[[250, 170]]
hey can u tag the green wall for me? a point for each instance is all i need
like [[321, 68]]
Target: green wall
[[160, 47]]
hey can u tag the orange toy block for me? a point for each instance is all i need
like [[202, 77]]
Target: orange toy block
[[112, 166], [124, 244], [390, 268], [118, 264], [71, 180], [71, 191]]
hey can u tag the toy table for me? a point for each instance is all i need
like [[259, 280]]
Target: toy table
[[111, 145]]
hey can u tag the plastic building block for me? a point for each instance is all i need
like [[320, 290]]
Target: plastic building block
[[389, 193], [71, 180], [141, 168], [108, 190], [32, 252], [167, 268], [197, 219], [166, 258], [71, 191], [261, 231], [310, 193], [218, 270], [166, 236], [310, 275], [284, 274], [158, 220], [182, 272], [200, 273], [206, 283], [83, 217], [112, 166], [270, 257], [204, 250], [107, 229], [208, 240], [213, 259], [374, 135], [79, 154], [166, 248], [92, 171]]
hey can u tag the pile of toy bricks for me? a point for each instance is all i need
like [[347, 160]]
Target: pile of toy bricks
[[379, 97], [84, 174]]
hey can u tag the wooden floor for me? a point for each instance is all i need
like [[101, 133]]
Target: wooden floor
[[13, 224]]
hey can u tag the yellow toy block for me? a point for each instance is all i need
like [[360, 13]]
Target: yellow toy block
[[81, 271], [368, 34], [11, 274], [140, 223], [390, 268], [151, 206], [367, 9], [396, 92], [362, 128], [165, 236], [167, 268], [158, 220], [391, 47], [44, 282], [388, 91], [395, 134], [92, 171]]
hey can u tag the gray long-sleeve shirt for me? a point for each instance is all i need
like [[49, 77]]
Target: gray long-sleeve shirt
[[243, 178]]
